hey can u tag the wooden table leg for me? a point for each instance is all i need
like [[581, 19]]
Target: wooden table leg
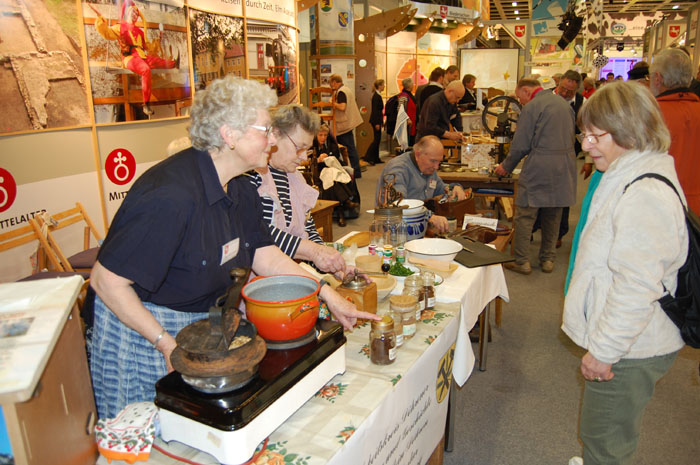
[[483, 335]]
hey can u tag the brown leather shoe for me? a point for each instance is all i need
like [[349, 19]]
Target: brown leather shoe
[[525, 268], [351, 205], [558, 245], [341, 222]]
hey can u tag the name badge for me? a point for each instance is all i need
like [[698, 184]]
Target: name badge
[[432, 184], [229, 250]]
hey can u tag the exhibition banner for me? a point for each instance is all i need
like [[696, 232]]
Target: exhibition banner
[[278, 11], [335, 25], [226, 7], [218, 47], [450, 13]]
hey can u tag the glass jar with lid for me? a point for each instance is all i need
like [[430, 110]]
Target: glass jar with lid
[[428, 278], [398, 325], [406, 305], [382, 341], [413, 285], [388, 227]]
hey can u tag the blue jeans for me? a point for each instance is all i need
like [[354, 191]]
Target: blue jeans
[[348, 140]]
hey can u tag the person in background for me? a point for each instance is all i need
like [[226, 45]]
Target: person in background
[[468, 102], [286, 197], [415, 176], [408, 103], [669, 76], [435, 85], [451, 74], [376, 119], [628, 254], [440, 116], [342, 189], [610, 77], [545, 133], [347, 118], [185, 224], [556, 78], [588, 87]]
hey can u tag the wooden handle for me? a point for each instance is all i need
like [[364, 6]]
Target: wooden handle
[[431, 263]]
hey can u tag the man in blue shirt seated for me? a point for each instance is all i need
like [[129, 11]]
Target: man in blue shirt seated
[[415, 176]]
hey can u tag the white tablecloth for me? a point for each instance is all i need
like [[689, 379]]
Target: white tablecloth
[[474, 288]]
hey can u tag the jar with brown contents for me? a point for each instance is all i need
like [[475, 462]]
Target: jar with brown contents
[[406, 305], [429, 289], [382, 341]]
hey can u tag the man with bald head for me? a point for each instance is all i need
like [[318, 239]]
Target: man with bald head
[[415, 176], [545, 134], [439, 115]]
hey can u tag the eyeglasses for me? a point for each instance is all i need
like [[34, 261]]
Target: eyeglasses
[[299, 150], [265, 129], [591, 138]]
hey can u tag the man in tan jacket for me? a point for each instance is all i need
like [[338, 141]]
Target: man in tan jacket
[[347, 118]]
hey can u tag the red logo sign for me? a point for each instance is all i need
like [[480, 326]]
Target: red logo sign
[[120, 166], [443, 11], [674, 31], [520, 30], [8, 190]]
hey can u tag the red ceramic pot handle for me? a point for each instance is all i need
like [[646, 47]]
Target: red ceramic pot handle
[[256, 278], [304, 308]]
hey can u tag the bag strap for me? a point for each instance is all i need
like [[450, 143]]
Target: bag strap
[[660, 178]]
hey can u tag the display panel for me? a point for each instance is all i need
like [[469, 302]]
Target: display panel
[[42, 80], [272, 58], [137, 55], [492, 67]]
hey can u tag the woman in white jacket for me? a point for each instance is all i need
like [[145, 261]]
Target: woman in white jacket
[[629, 252]]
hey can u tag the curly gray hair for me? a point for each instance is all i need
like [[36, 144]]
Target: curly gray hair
[[226, 101]]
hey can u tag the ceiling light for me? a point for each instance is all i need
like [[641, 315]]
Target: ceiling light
[[516, 12], [517, 18], [515, 3], [444, 20], [675, 7]]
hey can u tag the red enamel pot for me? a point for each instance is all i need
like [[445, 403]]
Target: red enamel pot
[[282, 307]]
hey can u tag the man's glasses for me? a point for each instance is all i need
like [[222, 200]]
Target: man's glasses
[[591, 138], [265, 129], [299, 150]]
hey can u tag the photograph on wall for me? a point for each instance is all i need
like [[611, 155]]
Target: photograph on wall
[[272, 58], [218, 47], [42, 82], [137, 55]]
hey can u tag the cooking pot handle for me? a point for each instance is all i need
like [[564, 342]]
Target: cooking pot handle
[[256, 278], [304, 308]]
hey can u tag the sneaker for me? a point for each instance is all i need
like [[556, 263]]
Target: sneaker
[[575, 461], [524, 268], [547, 266]]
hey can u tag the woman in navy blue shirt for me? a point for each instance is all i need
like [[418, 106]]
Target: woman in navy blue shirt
[[184, 225]]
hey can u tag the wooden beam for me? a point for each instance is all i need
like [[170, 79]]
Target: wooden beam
[[305, 4], [423, 27], [500, 9], [628, 5], [460, 31], [385, 21]]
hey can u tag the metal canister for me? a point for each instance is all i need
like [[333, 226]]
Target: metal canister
[[372, 249], [400, 254]]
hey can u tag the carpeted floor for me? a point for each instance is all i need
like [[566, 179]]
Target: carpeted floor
[[523, 410]]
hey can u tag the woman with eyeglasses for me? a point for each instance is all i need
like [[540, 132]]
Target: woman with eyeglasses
[[628, 247], [184, 225], [286, 197]]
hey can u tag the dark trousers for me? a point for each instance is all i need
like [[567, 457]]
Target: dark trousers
[[372, 155], [348, 140]]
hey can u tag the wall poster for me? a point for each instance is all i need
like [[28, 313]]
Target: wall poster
[[42, 83], [272, 58], [218, 47], [137, 55], [492, 67]]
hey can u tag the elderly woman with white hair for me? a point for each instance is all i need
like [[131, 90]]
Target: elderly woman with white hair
[[186, 223], [630, 243]]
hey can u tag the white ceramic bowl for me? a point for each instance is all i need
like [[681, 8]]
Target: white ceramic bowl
[[385, 284], [435, 248], [413, 206]]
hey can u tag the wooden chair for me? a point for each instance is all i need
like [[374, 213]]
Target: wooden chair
[[320, 101], [48, 258], [82, 261]]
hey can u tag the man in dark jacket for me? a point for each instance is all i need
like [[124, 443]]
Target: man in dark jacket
[[376, 119], [439, 115]]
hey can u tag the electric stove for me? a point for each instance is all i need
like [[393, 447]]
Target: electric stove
[[230, 425]]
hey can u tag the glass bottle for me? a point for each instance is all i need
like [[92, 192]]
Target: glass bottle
[[406, 305], [413, 285], [428, 278], [382, 341], [388, 227], [398, 325]]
